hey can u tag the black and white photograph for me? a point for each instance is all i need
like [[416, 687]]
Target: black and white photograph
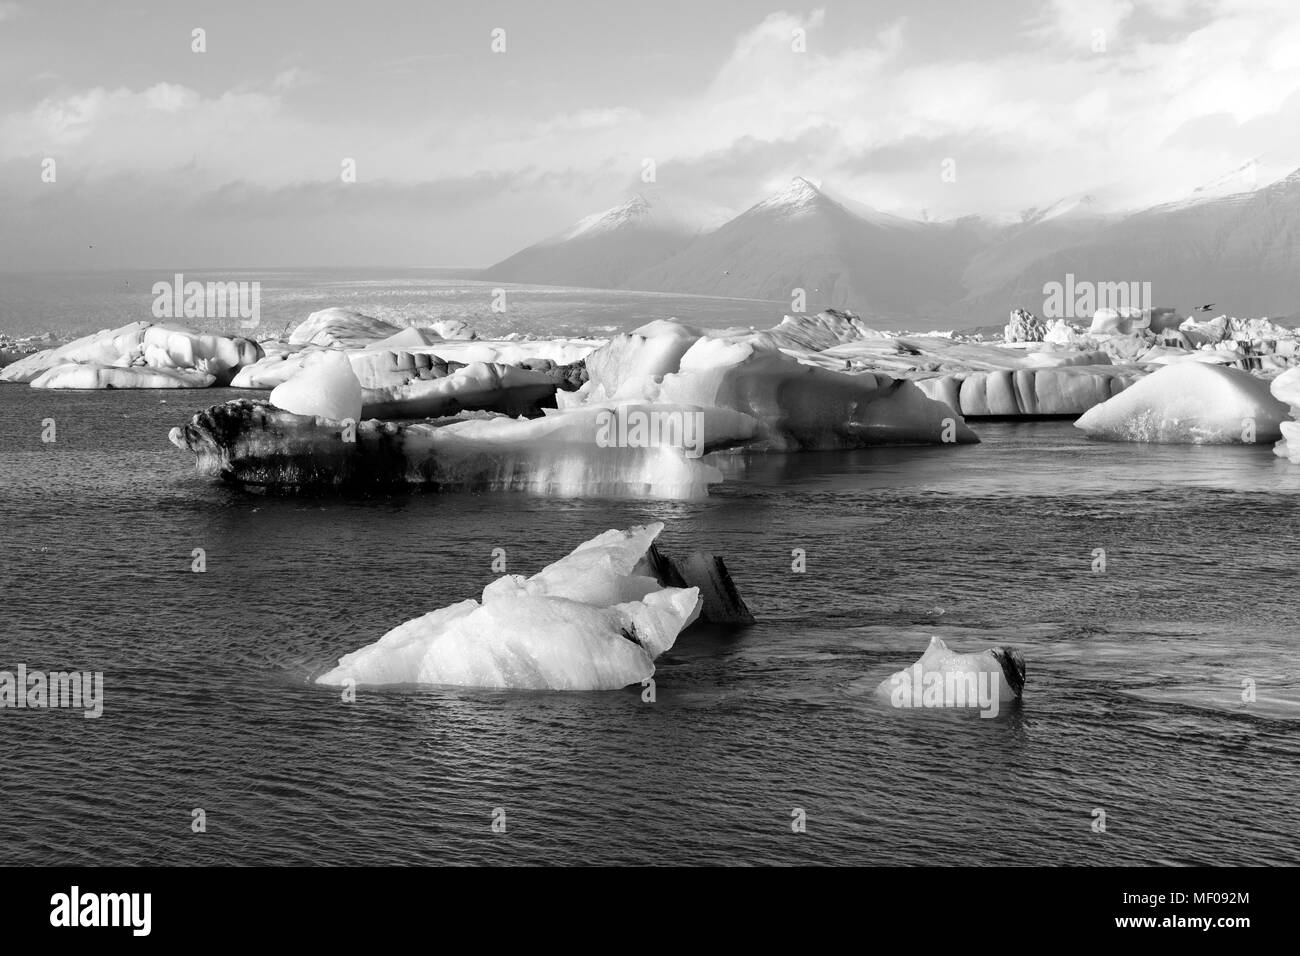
[[624, 435]]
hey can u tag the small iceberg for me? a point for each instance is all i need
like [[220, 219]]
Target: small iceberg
[[594, 620], [1190, 403], [943, 678]]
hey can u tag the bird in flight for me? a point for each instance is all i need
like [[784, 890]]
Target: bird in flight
[[1205, 308]]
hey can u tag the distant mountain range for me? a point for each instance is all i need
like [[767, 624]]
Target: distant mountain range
[[1239, 251]]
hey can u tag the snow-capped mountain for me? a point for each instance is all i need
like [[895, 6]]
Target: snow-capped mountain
[[602, 250], [1240, 251], [801, 238], [1235, 248]]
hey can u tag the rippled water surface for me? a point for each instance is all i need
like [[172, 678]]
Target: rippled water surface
[[1133, 703]]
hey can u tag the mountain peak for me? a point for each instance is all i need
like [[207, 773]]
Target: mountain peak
[[627, 213], [798, 192], [799, 196]]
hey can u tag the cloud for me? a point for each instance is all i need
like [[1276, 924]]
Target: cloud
[[1184, 91], [1080, 23]]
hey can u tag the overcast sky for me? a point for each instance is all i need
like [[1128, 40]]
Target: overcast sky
[[165, 157]]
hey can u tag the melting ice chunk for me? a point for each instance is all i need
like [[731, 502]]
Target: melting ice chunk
[[943, 678], [586, 622], [1189, 403], [327, 389]]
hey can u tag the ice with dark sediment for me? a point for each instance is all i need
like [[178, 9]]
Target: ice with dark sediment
[[987, 680], [699, 394]]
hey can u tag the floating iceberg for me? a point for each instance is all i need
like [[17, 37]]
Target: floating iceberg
[[89, 375], [139, 349], [255, 444], [797, 406], [698, 395], [1286, 388], [590, 621], [1189, 402], [377, 367], [341, 328], [943, 678]]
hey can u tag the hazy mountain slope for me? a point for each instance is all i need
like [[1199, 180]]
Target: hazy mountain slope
[[878, 265], [1240, 252], [602, 251]]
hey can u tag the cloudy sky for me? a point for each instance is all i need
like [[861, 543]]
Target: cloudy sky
[[166, 157]]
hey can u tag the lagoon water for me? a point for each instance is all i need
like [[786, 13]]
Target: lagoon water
[[1133, 704]]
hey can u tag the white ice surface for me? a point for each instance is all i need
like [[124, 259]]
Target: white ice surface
[[327, 389], [586, 622], [1189, 402]]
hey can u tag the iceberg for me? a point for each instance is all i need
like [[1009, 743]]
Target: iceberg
[[378, 367], [720, 601], [478, 386], [254, 444], [90, 375], [341, 328], [1189, 402], [797, 406], [139, 349], [1286, 388], [1044, 391], [328, 389], [589, 621], [1024, 326], [943, 678]]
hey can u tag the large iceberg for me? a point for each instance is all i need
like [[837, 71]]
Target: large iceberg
[[798, 406], [1190, 402], [943, 678], [637, 418], [254, 444], [591, 621], [140, 350]]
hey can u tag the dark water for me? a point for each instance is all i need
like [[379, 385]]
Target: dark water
[[1133, 703]]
